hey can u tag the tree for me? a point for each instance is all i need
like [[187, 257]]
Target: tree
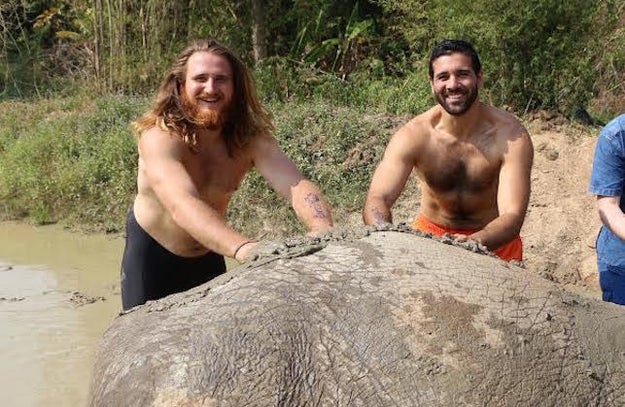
[[259, 30]]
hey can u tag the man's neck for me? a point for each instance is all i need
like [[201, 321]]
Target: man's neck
[[460, 126], [209, 136]]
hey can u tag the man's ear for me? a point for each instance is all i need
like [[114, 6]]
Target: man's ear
[[480, 78]]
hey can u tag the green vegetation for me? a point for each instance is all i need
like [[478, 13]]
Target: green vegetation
[[339, 76], [68, 159], [338, 148], [538, 54], [74, 160]]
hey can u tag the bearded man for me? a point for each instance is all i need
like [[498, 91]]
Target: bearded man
[[205, 132], [473, 161]]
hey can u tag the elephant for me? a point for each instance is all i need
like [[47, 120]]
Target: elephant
[[367, 317]]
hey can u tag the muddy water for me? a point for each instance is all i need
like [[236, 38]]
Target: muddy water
[[58, 292]]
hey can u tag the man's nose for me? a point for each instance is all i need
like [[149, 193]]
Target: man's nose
[[453, 82], [209, 86]]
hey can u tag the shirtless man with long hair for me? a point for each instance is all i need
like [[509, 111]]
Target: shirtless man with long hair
[[206, 130], [473, 160]]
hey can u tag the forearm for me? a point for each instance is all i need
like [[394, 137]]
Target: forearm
[[499, 231], [376, 212], [614, 219], [311, 207], [207, 226]]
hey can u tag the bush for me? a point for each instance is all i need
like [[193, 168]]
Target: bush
[[70, 160], [536, 53], [281, 81], [336, 147]]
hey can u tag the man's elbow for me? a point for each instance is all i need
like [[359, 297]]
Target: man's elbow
[[517, 224], [177, 213], [608, 213]]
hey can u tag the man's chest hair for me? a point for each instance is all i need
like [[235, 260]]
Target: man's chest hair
[[448, 172]]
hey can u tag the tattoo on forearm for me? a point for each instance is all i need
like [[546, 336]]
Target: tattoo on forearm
[[379, 216], [315, 203]]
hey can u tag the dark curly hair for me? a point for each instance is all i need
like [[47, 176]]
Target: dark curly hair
[[448, 47]]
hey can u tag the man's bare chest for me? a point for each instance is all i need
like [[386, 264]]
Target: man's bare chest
[[216, 175], [461, 167]]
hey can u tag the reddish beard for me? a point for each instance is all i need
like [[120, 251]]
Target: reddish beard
[[206, 118]]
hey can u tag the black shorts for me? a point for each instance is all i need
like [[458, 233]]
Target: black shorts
[[149, 271]]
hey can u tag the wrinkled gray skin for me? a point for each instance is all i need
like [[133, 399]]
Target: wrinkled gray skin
[[373, 318]]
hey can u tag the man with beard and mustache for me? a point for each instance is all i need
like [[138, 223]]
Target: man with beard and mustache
[[206, 131], [473, 161]]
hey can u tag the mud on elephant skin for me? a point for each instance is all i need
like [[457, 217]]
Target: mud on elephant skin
[[370, 318]]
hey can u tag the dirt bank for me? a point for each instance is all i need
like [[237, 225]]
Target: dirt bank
[[562, 221]]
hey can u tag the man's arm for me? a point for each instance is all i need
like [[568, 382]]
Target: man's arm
[[389, 179], [161, 156], [608, 175], [284, 177], [611, 214], [513, 194]]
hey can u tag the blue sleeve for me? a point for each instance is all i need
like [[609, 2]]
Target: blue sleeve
[[608, 168]]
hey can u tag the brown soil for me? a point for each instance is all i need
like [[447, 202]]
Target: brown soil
[[562, 222]]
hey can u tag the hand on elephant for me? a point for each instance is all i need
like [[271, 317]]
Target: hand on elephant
[[319, 232], [242, 254], [460, 238], [468, 242], [255, 250]]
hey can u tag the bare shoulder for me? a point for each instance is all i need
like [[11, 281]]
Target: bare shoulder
[[509, 126], [154, 132], [262, 141], [417, 130], [514, 139], [156, 137]]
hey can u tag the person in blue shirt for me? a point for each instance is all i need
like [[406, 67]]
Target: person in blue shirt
[[607, 182]]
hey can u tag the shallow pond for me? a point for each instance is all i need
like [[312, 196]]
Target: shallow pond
[[58, 292]]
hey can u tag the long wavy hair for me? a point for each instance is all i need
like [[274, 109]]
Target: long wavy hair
[[247, 119]]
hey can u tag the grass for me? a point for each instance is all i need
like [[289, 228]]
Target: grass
[[69, 159], [335, 147]]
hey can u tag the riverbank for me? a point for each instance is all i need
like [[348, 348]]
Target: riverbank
[[73, 161]]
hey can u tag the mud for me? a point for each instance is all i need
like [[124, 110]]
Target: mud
[[58, 292]]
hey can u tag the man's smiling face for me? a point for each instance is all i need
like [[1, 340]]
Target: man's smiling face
[[208, 89], [454, 83]]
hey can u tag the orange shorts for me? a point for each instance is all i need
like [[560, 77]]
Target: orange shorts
[[512, 250]]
